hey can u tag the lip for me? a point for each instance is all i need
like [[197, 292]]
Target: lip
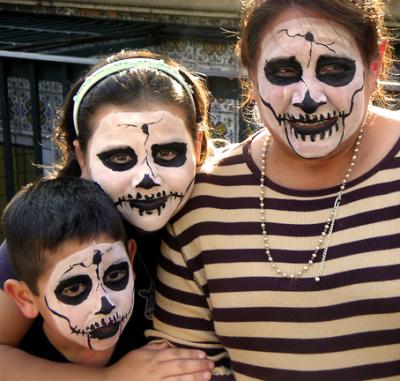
[[312, 128], [105, 332], [148, 204]]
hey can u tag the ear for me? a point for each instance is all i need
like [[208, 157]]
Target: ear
[[22, 296], [132, 248], [198, 145], [375, 65], [81, 160]]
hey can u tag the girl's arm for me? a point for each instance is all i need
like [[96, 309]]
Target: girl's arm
[[154, 362]]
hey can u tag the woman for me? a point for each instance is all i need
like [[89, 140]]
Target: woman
[[137, 125], [288, 250]]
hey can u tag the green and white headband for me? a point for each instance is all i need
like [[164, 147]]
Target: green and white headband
[[130, 63]]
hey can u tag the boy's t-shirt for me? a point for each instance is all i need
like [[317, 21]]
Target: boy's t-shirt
[[36, 342], [144, 265]]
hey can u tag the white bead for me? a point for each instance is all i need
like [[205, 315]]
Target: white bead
[[328, 225]]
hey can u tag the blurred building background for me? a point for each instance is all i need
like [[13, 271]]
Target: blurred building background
[[46, 44]]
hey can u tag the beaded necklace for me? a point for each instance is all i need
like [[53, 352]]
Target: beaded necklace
[[324, 240]]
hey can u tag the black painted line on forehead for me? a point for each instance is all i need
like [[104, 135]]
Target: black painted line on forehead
[[309, 36], [144, 126], [79, 264]]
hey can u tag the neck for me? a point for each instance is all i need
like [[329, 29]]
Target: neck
[[307, 174], [76, 353]]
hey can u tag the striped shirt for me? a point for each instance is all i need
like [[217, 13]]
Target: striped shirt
[[217, 292]]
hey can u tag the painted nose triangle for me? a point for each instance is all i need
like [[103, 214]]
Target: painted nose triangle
[[106, 307], [308, 105], [147, 182]]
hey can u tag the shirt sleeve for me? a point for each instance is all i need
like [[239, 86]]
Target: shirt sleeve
[[182, 314], [6, 271]]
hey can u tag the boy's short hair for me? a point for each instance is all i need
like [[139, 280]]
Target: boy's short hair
[[46, 214]]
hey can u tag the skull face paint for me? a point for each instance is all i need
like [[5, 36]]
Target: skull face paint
[[144, 160], [90, 295], [310, 84]]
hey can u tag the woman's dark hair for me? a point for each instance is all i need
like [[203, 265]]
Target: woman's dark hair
[[126, 88], [364, 19]]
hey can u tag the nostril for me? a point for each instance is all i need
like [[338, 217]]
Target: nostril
[[309, 105]]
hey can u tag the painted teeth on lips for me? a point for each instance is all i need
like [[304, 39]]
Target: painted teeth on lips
[[311, 124]]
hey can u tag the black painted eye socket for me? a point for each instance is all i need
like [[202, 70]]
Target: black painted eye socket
[[283, 71], [119, 159], [74, 290], [116, 277], [169, 155], [335, 71]]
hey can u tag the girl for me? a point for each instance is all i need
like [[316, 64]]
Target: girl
[[137, 124]]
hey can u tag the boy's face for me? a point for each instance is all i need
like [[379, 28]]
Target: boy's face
[[86, 295]]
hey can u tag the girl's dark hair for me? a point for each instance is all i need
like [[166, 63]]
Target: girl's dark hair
[[126, 88], [46, 214], [364, 19]]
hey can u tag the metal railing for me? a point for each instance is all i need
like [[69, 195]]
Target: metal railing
[[34, 68]]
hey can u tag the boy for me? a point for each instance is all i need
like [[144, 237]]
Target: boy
[[68, 246]]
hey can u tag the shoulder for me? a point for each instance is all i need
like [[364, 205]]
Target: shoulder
[[385, 125], [387, 117]]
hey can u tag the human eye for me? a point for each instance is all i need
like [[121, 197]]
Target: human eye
[[118, 159], [169, 155], [286, 72], [116, 277], [166, 155], [335, 71], [74, 290], [283, 71]]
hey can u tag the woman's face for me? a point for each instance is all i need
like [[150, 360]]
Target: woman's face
[[144, 159], [311, 85]]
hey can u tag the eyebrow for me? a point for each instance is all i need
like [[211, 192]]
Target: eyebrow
[[116, 147], [281, 59], [336, 56]]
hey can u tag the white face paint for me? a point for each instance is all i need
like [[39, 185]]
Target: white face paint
[[311, 84], [144, 160], [90, 295]]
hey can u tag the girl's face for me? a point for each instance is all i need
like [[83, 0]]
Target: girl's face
[[144, 159], [311, 85]]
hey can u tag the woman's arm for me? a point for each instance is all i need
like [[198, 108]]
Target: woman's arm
[[183, 315]]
